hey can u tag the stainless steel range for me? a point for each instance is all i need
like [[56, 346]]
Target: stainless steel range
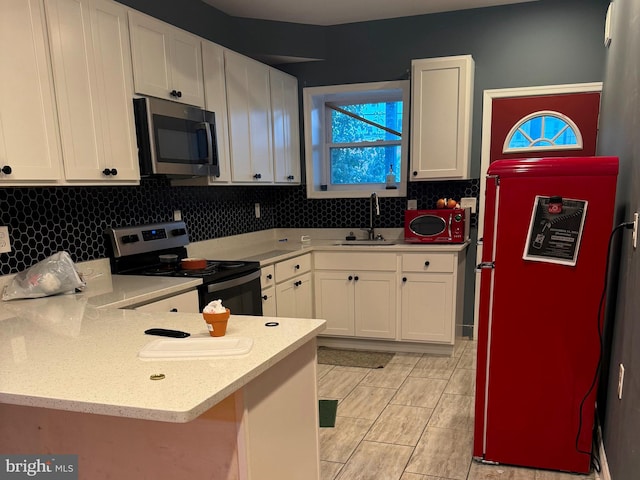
[[160, 248]]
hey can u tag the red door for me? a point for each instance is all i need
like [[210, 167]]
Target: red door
[[581, 108]]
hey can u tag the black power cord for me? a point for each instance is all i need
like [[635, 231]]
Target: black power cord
[[596, 374]]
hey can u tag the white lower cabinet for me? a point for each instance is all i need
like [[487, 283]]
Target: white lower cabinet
[[356, 293], [269, 302], [431, 296], [427, 310], [361, 304], [405, 297], [184, 303], [294, 297], [294, 294], [268, 287]]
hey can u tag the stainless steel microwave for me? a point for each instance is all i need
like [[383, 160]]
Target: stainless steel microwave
[[174, 139]]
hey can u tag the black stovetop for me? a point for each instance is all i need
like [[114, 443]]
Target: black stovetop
[[215, 271], [136, 250]]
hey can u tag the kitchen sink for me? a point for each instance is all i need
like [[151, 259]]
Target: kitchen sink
[[376, 243]]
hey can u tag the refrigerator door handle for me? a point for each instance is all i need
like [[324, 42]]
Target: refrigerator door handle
[[484, 265]]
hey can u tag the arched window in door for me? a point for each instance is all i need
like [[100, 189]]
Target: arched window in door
[[544, 130]]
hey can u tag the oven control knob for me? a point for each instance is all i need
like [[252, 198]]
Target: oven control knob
[[178, 231], [130, 238], [458, 217]]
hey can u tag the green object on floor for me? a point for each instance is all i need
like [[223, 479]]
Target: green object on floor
[[353, 358], [328, 410]]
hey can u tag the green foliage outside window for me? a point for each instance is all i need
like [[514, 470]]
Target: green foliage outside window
[[362, 151]]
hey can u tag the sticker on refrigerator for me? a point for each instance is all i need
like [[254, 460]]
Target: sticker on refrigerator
[[555, 230]]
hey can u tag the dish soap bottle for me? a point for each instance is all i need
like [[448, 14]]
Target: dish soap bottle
[[391, 179]]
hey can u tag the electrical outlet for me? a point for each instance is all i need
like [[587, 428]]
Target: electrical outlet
[[620, 381], [5, 241], [177, 215], [634, 236], [468, 202], [257, 210], [412, 204]]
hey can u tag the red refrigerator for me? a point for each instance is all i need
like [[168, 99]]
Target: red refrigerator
[[546, 231]]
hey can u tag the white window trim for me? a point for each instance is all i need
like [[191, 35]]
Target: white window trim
[[542, 148], [314, 99]]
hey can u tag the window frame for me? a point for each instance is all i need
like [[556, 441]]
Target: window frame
[[541, 148], [317, 128]]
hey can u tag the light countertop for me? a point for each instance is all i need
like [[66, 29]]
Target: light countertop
[[273, 246], [85, 359], [80, 352]]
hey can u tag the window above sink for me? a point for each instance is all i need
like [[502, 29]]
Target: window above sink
[[358, 139]]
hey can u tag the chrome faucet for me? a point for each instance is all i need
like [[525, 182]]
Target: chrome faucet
[[373, 204]]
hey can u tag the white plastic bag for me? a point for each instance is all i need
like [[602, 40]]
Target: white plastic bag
[[53, 275]]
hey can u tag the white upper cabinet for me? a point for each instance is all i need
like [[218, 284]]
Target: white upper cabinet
[[216, 101], [167, 61], [441, 111], [29, 138], [92, 72], [250, 127], [286, 130]]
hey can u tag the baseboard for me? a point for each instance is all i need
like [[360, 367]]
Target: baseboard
[[604, 473]]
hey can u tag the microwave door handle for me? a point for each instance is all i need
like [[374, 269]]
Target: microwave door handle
[[449, 225], [216, 168]]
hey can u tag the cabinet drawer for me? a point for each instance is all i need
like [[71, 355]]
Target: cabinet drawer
[[294, 266], [428, 262], [355, 261], [267, 276], [184, 303]]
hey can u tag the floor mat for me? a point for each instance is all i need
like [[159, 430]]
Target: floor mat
[[353, 358], [328, 410]]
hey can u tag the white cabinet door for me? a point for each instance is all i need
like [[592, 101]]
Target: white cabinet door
[[249, 110], [184, 303], [304, 296], [427, 307], [294, 297], [29, 138], [167, 61], [334, 301], [215, 95], [286, 132], [269, 302], [94, 88], [186, 67], [441, 111], [375, 304]]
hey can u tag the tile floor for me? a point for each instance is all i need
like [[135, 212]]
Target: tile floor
[[412, 420]]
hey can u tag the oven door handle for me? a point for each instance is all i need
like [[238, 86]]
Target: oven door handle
[[234, 282]]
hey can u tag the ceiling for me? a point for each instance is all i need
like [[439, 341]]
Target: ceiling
[[335, 12]]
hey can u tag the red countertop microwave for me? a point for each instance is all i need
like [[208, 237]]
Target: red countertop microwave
[[444, 225]]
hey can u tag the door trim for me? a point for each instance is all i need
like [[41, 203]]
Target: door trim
[[487, 116]]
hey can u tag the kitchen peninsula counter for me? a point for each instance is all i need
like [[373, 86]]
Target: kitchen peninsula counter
[[73, 383]]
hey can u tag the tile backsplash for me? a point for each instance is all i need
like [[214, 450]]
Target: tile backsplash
[[45, 220]]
